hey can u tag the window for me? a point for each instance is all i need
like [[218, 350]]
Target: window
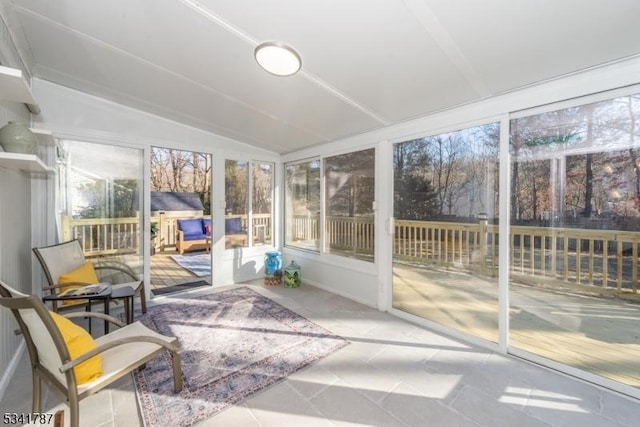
[[241, 187], [349, 197], [302, 209], [262, 205]]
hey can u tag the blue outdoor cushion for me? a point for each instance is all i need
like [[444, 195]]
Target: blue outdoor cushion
[[233, 226], [194, 236], [206, 222], [190, 226]]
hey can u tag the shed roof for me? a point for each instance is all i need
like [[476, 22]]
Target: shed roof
[[175, 201]]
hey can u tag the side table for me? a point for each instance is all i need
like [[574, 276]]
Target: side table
[[104, 296], [125, 293]]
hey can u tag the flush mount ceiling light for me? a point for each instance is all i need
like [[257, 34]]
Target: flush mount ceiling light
[[278, 58]]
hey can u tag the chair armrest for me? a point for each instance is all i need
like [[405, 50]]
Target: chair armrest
[[171, 346], [180, 236], [97, 315], [120, 267]]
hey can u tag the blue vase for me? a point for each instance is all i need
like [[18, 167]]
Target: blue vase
[[272, 262]]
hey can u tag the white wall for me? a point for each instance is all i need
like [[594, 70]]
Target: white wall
[[15, 224], [15, 254]]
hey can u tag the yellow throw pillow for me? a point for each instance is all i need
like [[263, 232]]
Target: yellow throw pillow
[[84, 274], [78, 342]]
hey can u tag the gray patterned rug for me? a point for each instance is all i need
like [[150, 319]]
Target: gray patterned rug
[[233, 344]]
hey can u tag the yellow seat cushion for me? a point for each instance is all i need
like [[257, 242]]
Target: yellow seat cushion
[[83, 274], [78, 342]]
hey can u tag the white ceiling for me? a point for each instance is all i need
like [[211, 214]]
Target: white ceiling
[[366, 63]]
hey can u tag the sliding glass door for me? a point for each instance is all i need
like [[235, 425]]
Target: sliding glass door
[[571, 258], [445, 251], [575, 222]]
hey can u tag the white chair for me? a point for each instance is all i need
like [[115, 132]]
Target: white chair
[[62, 258], [122, 351]]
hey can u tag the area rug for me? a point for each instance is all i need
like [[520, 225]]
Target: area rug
[[233, 344], [180, 288], [198, 264]]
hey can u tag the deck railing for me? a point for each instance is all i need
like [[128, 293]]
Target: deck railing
[[122, 235], [607, 259], [108, 236]]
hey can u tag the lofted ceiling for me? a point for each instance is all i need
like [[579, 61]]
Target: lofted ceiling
[[366, 64]]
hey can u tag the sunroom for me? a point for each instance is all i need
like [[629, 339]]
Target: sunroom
[[469, 168]]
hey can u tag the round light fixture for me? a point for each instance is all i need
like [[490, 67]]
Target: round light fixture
[[277, 58]]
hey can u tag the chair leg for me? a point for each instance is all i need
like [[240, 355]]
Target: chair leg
[[177, 371], [74, 411], [36, 402]]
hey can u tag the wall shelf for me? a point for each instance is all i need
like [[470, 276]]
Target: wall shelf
[[45, 137], [24, 162], [13, 87]]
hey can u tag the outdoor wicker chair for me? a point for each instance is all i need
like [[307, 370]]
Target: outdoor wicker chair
[[50, 345]]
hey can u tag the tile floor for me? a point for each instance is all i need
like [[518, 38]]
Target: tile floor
[[393, 373]]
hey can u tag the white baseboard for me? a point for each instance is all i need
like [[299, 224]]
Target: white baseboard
[[11, 369]]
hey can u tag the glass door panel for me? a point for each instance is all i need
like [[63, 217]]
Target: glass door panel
[[100, 205], [445, 243], [575, 221], [181, 223]]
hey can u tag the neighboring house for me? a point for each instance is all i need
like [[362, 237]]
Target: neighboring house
[[176, 204]]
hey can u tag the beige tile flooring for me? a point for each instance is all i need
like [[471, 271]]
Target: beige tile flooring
[[393, 373]]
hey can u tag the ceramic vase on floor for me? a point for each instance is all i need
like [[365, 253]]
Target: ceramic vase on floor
[[272, 268], [15, 137], [292, 275]]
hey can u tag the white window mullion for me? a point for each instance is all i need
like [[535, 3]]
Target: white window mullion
[[503, 260]]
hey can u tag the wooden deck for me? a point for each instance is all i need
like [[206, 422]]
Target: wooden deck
[[166, 272], [595, 334]]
